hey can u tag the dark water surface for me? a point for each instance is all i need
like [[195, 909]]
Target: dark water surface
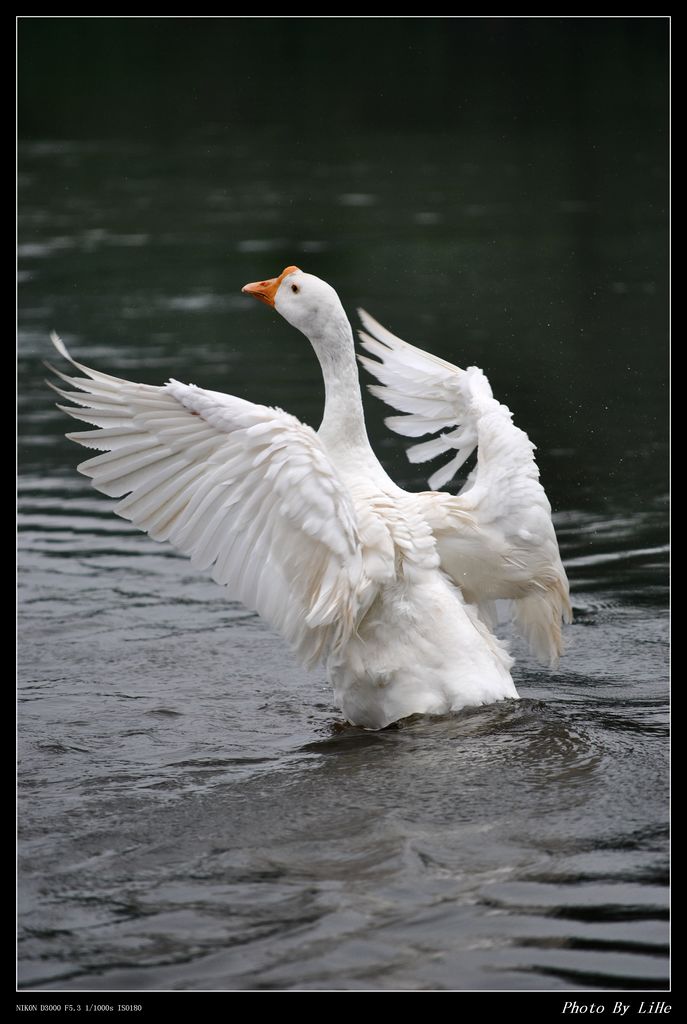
[[191, 815]]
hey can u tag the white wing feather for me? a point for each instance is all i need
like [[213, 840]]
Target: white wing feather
[[495, 538], [247, 491]]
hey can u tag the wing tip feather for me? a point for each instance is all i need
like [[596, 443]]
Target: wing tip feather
[[60, 346]]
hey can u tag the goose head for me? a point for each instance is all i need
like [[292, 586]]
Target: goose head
[[306, 301]]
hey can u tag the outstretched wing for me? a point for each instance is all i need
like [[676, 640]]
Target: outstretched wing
[[495, 538], [247, 491]]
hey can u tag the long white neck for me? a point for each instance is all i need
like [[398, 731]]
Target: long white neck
[[343, 424]]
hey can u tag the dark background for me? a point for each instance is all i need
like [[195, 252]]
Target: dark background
[[502, 77]]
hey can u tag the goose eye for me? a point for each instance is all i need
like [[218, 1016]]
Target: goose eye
[[295, 288]]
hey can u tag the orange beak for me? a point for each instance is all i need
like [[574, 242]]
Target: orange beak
[[266, 291]]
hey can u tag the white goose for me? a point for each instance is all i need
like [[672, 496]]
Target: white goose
[[390, 589]]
